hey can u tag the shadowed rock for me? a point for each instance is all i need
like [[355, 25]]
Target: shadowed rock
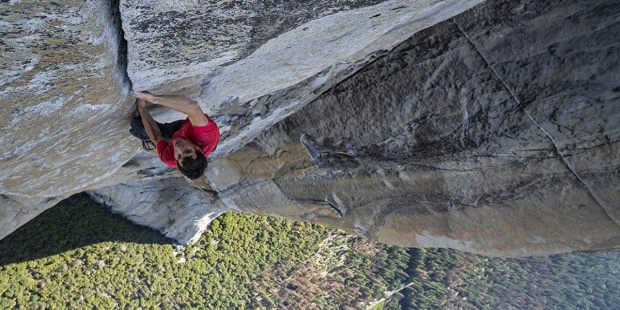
[[493, 131], [326, 158]]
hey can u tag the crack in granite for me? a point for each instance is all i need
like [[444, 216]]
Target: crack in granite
[[557, 150]]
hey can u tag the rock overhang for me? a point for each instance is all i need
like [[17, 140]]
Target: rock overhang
[[271, 81]]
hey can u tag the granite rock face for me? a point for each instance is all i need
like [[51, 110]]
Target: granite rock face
[[167, 205], [62, 104], [452, 141], [491, 128]]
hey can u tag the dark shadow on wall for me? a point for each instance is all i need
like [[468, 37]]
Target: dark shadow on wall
[[73, 223], [118, 36]]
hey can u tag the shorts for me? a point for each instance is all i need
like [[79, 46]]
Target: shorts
[[137, 129]]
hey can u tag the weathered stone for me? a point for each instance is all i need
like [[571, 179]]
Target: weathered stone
[[188, 40], [494, 131], [62, 104], [170, 206], [275, 80], [454, 154]]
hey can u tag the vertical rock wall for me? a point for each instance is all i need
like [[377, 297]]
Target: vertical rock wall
[[493, 131], [62, 104], [168, 205], [66, 68]]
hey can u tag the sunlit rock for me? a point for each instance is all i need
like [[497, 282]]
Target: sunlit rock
[[486, 127]]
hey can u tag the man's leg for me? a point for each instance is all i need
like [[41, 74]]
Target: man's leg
[[138, 131], [137, 128]]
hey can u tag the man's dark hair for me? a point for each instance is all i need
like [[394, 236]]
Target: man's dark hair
[[193, 168]]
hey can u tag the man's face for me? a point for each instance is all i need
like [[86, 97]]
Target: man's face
[[184, 148]]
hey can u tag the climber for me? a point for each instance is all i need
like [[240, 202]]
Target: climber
[[183, 144]]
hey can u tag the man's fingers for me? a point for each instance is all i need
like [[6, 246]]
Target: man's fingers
[[143, 95], [139, 94]]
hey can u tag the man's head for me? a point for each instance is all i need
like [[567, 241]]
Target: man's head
[[190, 160]]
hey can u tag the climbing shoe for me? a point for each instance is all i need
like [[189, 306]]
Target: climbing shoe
[[148, 145]]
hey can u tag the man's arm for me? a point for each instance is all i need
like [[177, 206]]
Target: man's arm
[[150, 126], [178, 103]]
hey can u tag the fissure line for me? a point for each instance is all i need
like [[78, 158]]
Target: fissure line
[[567, 164]]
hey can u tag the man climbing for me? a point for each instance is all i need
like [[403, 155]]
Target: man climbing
[[183, 144]]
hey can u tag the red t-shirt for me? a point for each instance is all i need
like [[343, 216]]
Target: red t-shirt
[[205, 137]]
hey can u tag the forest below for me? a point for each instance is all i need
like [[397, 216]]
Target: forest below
[[79, 255]]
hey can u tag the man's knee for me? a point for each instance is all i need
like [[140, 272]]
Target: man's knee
[[137, 128]]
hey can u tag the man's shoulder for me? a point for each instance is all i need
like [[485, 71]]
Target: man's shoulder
[[208, 129], [162, 148], [199, 119]]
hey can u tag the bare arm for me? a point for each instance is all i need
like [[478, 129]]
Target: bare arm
[[178, 103], [150, 126]]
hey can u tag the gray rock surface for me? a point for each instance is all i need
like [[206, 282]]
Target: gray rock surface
[[62, 104], [168, 205], [493, 131], [483, 141]]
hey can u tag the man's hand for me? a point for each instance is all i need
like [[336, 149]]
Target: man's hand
[[178, 103], [150, 126], [144, 95]]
